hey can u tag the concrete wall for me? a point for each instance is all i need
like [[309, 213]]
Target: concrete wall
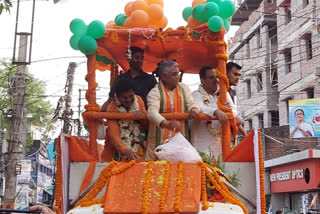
[[291, 85], [292, 35]]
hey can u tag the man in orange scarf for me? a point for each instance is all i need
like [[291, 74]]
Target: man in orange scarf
[[125, 137], [168, 96]]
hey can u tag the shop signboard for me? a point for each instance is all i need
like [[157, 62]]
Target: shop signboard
[[22, 200], [295, 176], [304, 118], [26, 168]]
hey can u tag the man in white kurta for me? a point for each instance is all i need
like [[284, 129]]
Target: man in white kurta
[[168, 96], [206, 135]]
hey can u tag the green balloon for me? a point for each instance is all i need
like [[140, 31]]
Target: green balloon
[[210, 9], [85, 126], [215, 23], [120, 19], [227, 9], [197, 12], [74, 42], [186, 13], [226, 24], [218, 2], [78, 27], [87, 45], [96, 29]]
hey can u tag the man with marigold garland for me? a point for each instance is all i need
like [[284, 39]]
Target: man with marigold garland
[[168, 96], [206, 135], [125, 138]]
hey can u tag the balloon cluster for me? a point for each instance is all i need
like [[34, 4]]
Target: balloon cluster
[[141, 13], [84, 37], [216, 13]]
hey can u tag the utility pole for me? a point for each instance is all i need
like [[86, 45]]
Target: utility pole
[[67, 114], [79, 114], [18, 129]]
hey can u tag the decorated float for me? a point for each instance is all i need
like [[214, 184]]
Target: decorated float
[[84, 184]]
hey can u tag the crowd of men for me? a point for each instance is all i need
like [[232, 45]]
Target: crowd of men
[[139, 93]]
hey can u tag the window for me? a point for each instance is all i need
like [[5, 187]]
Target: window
[[287, 107], [288, 60], [259, 40], [305, 3], [248, 88], [287, 14], [274, 118], [260, 121], [259, 81], [310, 93], [274, 75], [309, 46], [249, 124]]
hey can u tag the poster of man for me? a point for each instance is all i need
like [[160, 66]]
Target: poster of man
[[304, 118]]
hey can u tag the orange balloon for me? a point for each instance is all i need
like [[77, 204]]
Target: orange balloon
[[128, 8], [195, 2], [140, 18], [139, 5], [192, 23], [163, 22], [110, 24], [128, 23], [150, 2], [155, 12]]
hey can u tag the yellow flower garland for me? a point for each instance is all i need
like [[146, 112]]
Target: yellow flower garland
[[146, 188], [261, 167], [165, 185], [177, 201], [114, 37], [204, 197], [57, 204], [102, 181], [222, 189], [97, 187]]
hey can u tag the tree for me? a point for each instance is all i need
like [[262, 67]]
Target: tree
[[39, 110], [5, 5]]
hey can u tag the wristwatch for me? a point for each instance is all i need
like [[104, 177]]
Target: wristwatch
[[163, 123]]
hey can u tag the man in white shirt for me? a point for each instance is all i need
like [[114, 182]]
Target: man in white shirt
[[168, 96], [234, 74], [206, 135]]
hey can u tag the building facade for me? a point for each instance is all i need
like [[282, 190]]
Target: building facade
[[277, 45]]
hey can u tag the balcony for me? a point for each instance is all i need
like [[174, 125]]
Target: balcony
[[245, 8]]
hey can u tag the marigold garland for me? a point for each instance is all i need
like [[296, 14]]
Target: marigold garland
[[177, 201], [204, 197], [161, 35], [92, 107], [146, 188], [222, 189], [58, 179], [165, 186], [261, 174], [114, 37], [97, 187]]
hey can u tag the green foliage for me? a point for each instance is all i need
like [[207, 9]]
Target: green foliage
[[5, 5], [209, 159], [38, 108]]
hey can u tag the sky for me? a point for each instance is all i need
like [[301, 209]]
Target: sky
[[51, 52]]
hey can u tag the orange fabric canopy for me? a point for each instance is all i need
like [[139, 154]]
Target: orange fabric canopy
[[191, 48]]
